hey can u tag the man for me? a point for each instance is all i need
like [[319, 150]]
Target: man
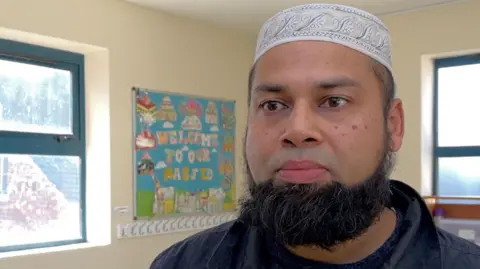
[[323, 127]]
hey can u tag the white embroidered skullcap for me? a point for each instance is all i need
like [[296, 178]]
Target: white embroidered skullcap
[[348, 26]]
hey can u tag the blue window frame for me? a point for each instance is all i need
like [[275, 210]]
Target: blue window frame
[[42, 147], [456, 126]]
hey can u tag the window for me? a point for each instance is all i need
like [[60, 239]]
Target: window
[[42, 147], [3, 177], [457, 126]]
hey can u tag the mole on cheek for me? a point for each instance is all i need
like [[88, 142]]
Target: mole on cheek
[[366, 127], [336, 127], [354, 127]]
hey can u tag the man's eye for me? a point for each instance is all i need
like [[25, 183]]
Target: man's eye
[[272, 106], [334, 102]]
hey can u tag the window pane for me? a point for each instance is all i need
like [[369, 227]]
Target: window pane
[[40, 199], [458, 95], [35, 99], [459, 176]]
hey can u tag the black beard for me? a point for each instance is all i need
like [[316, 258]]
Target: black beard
[[319, 216]]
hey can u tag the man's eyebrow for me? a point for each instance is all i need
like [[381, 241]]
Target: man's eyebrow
[[269, 88], [336, 82]]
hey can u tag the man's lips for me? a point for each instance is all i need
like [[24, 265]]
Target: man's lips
[[301, 172], [301, 165]]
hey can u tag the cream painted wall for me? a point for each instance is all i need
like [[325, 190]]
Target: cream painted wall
[[417, 37], [143, 48]]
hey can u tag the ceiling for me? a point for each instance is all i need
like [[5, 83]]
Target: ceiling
[[249, 15]]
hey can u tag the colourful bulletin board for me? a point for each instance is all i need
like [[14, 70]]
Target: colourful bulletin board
[[183, 154]]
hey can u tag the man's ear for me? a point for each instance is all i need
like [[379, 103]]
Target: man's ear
[[396, 124]]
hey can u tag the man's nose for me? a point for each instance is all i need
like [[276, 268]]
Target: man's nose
[[302, 128]]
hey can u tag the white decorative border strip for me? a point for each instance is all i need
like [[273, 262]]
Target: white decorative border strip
[[172, 225]]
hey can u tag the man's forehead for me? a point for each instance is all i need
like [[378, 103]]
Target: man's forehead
[[321, 84], [319, 63]]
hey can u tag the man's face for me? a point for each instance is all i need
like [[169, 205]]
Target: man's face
[[317, 130]]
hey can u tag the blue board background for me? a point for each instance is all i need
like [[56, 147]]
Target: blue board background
[[144, 182]]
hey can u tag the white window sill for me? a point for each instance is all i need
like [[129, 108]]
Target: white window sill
[[48, 250]]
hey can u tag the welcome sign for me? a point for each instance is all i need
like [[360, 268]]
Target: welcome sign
[[184, 154]]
